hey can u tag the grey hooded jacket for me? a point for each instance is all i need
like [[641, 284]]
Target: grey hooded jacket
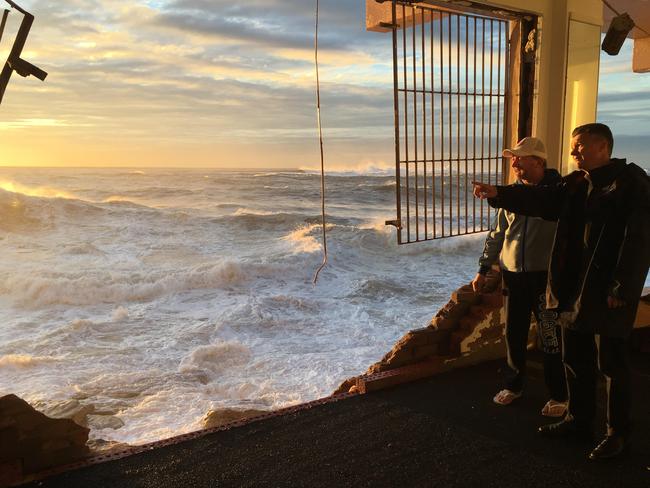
[[520, 243]]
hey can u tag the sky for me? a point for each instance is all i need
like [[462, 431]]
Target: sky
[[215, 83]]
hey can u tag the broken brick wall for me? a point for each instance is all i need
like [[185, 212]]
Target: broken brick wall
[[469, 328]]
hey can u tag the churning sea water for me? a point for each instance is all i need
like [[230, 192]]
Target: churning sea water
[[155, 296]]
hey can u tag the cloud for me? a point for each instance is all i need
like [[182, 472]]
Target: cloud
[[636, 96], [217, 74], [29, 123], [196, 69]]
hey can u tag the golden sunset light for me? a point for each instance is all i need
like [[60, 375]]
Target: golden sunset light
[[324, 243]]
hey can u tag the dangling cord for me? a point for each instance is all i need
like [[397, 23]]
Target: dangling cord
[[322, 163], [610, 7]]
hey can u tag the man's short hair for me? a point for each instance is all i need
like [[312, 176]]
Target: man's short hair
[[596, 129]]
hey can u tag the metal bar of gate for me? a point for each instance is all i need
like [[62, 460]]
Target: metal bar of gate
[[482, 110], [442, 131], [458, 122], [406, 132], [466, 114], [396, 117], [506, 102], [496, 166]]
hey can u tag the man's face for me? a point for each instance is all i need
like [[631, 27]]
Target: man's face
[[588, 151], [526, 167]]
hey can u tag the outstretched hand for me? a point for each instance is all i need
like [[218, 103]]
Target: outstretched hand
[[613, 302], [483, 190]]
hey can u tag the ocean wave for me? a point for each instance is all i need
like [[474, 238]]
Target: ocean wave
[[373, 168], [83, 249], [121, 199], [389, 183], [81, 324], [266, 220], [23, 360], [248, 211], [272, 173], [15, 216], [216, 358], [301, 240], [386, 187], [34, 191], [120, 314], [378, 288], [227, 205], [18, 210], [109, 287]]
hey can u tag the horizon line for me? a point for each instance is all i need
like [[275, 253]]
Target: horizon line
[[151, 167]]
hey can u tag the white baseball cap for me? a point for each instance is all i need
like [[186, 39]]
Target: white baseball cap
[[528, 146]]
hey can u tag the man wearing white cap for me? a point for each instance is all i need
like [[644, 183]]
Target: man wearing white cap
[[522, 246]]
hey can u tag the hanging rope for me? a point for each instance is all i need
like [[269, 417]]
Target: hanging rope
[[609, 6], [322, 162]]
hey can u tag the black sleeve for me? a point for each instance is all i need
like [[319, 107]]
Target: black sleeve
[[634, 254], [534, 201]]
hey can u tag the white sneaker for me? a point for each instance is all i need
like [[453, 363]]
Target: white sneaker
[[506, 397], [554, 408]]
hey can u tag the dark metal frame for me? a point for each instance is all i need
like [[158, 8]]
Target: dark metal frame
[[14, 61], [438, 155]]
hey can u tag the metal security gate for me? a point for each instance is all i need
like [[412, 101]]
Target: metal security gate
[[450, 73]]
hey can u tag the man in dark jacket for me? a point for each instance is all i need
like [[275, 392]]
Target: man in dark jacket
[[598, 267], [522, 247]]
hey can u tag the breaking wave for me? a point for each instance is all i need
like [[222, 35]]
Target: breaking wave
[[32, 191], [215, 358], [107, 287]]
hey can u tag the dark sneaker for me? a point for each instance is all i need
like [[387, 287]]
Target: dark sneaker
[[611, 446], [566, 429]]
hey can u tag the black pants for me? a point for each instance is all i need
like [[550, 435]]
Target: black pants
[[525, 293], [584, 354]]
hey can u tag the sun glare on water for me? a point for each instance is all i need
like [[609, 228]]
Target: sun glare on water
[[40, 191]]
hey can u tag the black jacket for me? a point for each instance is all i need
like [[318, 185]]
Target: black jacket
[[601, 246]]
